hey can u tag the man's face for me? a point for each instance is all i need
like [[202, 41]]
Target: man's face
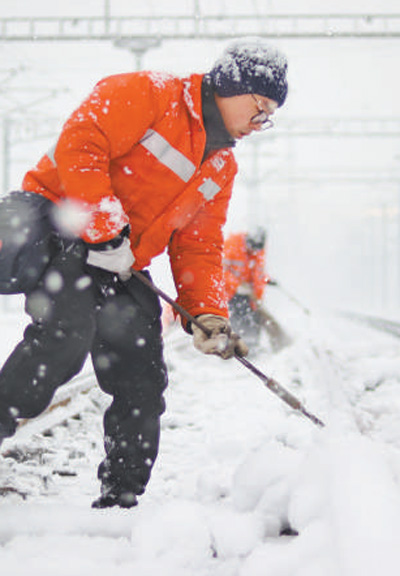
[[238, 111]]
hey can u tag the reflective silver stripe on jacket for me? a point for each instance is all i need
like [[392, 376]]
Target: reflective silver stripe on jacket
[[209, 189], [168, 155]]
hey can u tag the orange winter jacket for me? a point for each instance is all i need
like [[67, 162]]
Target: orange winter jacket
[[242, 266], [132, 154]]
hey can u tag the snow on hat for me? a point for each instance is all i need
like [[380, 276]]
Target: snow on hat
[[251, 67]]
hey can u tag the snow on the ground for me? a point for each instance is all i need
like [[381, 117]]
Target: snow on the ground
[[236, 466]]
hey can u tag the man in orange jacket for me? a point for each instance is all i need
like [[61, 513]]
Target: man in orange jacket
[[245, 281], [144, 164]]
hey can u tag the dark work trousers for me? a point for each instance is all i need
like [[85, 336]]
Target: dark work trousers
[[244, 319], [78, 310]]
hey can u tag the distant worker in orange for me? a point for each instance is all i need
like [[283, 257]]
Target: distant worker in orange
[[245, 282]]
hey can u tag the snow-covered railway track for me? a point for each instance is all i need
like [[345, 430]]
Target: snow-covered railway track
[[381, 324], [48, 453], [68, 402]]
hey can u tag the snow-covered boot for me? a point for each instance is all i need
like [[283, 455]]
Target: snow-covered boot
[[108, 498]]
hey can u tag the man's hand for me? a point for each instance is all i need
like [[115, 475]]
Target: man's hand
[[118, 260], [220, 339]]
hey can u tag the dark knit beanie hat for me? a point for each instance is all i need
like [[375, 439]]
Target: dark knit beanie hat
[[251, 67]]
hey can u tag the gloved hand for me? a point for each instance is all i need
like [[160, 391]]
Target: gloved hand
[[118, 260], [221, 341]]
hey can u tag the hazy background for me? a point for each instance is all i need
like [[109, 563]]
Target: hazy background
[[330, 201]]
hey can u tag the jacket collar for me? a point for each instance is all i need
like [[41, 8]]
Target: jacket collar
[[217, 136], [200, 100]]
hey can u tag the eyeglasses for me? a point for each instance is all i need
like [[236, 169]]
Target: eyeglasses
[[262, 117]]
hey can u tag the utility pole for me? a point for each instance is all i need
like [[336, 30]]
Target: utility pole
[[107, 16], [197, 15], [138, 47]]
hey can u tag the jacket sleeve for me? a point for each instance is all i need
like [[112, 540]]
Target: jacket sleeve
[[106, 125], [196, 258]]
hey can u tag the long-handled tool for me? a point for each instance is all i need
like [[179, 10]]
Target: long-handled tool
[[277, 336], [270, 383]]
